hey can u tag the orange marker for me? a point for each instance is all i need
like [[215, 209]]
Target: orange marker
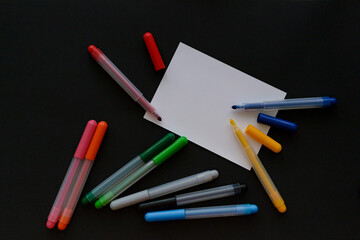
[[263, 138], [82, 175]]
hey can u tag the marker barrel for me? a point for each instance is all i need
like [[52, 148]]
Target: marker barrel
[[141, 172], [288, 104], [129, 168], [164, 189], [204, 212], [63, 192], [82, 175], [75, 194], [114, 179], [125, 184], [71, 174], [122, 80], [260, 171], [194, 197], [209, 194]]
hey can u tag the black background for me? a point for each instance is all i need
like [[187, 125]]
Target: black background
[[50, 88]]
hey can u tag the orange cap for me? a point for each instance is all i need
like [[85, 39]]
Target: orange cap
[[263, 138], [96, 141]]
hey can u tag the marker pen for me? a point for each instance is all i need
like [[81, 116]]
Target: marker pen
[[204, 212], [194, 197], [164, 189], [141, 172], [288, 104], [79, 155], [130, 167], [82, 176]]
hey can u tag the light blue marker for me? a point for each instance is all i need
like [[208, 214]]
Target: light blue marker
[[204, 212], [287, 104]]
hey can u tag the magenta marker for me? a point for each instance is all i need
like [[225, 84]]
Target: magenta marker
[[70, 174]]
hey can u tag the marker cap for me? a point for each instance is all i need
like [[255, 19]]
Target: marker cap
[[85, 139], [177, 214], [263, 138], [276, 122], [329, 101], [157, 147], [171, 150], [153, 51], [96, 141]]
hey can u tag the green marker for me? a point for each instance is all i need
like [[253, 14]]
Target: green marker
[[129, 168], [141, 172]]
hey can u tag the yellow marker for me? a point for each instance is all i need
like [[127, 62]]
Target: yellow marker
[[260, 170], [263, 138]]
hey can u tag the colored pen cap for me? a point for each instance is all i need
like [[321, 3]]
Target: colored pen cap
[[96, 141], [94, 51], [329, 101], [263, 138], [171, 150], [153, 51], [157, 147], [85, 139], [276, 122]]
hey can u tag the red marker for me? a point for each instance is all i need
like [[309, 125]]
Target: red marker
[[153, 51]]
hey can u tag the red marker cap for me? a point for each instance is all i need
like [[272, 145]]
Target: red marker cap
[[153, 51]]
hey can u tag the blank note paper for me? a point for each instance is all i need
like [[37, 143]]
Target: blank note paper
[[195, 97]]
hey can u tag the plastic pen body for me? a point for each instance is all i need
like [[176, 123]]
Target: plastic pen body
[[204, 212], [141, 172], [129, 168], [194, 197], [71, 173], [114, 179], [260, 170], [82, 176], [75, 194], [164, 189], [122, 80], [288, 104], [63, 192], [125, 184]]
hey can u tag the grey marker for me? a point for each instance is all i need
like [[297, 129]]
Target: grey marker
[[164, 189], [194, 197]]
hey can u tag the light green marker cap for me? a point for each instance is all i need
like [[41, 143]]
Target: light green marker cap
[[171, 150]]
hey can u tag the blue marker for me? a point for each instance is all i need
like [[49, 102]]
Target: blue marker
[[204, 212], [287, 104]]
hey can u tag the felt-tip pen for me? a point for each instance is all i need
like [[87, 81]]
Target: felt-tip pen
[[71, 174], [82, 176], [287, 104], [194, 197], [204, 212], [122, 80], [141, 172], [164, 189], [130, 167]]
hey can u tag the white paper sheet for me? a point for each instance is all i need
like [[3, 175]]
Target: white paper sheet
[[195, 97]]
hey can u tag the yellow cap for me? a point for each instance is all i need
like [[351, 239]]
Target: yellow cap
[[263, 138]]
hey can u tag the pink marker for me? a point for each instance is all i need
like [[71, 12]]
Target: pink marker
[[70, 174], [122, 80], [82, 175]]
